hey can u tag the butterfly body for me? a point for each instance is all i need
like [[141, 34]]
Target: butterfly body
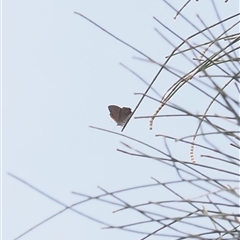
[[119, 115]]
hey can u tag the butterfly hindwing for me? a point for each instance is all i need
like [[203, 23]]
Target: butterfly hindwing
[[125, 114]]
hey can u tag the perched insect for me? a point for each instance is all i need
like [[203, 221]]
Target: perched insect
[[119, 115]]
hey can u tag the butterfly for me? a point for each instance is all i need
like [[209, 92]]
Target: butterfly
[[119, 115]]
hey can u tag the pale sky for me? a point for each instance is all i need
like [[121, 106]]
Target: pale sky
[[59, 74]]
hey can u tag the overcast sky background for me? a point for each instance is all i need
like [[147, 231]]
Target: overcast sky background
[[60, 73]]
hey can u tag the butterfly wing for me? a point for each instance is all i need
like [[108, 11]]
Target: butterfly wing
[[114, 112], [125, 113]]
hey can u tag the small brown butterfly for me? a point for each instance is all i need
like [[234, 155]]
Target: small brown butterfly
[[119, 115]]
